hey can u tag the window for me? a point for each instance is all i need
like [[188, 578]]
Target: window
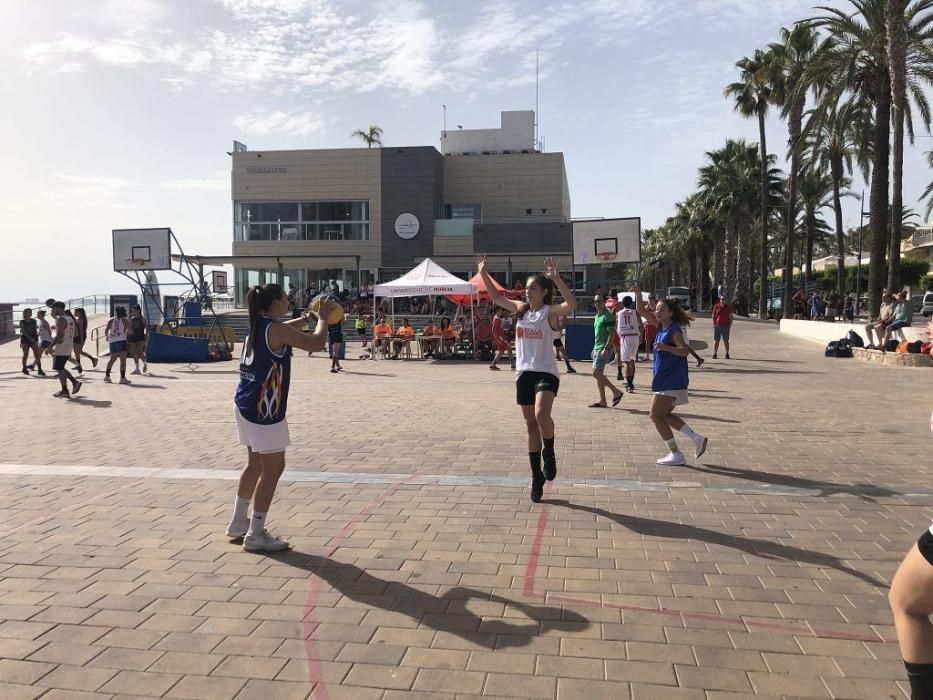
[[528, 212], [544, 211], [306, 221], [463, 211]]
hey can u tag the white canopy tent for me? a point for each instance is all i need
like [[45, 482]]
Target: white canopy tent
[[427, 279]]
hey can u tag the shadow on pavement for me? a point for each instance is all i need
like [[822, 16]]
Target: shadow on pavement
[[82, 401], [704, 395], [748, 545], [368, 374], [639, 412], [757, 370], [446, 613], [867, 492], [136, 385]]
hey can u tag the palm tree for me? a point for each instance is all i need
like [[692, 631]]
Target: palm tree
[[373, 135], [897, 70], [854, 59], [833, 138], [793, 53], [928, 192], [753, 94], [815, 190]]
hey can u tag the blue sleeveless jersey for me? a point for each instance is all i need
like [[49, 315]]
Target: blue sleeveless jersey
[[262, 395], [670, 371]]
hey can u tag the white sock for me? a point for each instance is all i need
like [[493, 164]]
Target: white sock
[[257, 523], [689, 432], [240, 508], [671, 444]]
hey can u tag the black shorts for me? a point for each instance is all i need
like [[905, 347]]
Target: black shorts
[[58, 361], [528, 384], [925, 545], [558, 343], [137, 339], [335, 338], [362, 332]]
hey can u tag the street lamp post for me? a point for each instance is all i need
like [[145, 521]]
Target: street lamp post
[[858, 270]]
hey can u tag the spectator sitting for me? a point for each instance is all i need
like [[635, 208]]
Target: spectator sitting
[[403, 338], [484, 337], [448, 336], [430, 339], [382, 333], [902, 317], [884, 319]]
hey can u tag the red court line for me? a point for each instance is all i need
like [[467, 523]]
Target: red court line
[[315, 670], [532, 569]]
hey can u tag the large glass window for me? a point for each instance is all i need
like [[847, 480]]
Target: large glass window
[[309, 221]]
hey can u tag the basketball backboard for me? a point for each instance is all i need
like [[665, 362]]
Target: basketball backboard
[[142, 249], [607, 241], [219, 281]]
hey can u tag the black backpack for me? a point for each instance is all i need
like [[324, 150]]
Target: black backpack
[[838, 348], [855, 340], [891, 345], [914, 347]]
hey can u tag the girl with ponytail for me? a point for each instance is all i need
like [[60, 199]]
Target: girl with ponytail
[[259, 408]]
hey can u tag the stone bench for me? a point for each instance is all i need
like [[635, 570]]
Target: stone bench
[[895, 359]]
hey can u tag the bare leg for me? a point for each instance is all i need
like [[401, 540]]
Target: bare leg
[[37, 353], [25, 349], [122, 365], [531, 426], [272, 466], [249, 476], [661, 407], [911, 599], [544, 401]]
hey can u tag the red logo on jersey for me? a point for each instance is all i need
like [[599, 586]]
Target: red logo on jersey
[[530, 333]]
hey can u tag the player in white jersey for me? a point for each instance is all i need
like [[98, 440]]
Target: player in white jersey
[[62, 347], [537, 381], [628, 328]]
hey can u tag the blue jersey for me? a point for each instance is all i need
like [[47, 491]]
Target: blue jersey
[[262, 395], [670, 371]]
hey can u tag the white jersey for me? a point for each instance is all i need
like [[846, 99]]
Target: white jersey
[[66, 345], [626, 323], [118, 330], [45, 331], [534, 343]]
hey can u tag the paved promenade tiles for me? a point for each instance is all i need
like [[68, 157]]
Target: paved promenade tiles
[[421, 570]]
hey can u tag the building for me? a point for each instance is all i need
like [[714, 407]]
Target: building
[[310, 217], [919, 245]]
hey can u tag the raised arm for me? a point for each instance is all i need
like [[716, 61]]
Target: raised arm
[[287, 334], [569, 305], [641, 308], [495, 296]]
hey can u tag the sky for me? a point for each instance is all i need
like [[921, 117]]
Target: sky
[[119, 113]]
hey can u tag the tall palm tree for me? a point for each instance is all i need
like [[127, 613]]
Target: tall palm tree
[[835, 137], [793, 53], [897, 73], [854, 59], [372, 136], [928, 192], [753, 94], [815, 190]]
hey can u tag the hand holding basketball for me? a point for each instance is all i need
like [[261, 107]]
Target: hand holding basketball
[[551, 270], [328, 309]]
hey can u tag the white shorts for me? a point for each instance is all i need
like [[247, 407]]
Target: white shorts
[[629, 348], [679, 395], [261, 439]]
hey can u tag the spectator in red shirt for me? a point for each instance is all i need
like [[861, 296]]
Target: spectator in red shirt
[[501, 340], [722, 324]]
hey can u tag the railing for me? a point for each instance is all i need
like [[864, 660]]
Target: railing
[[92, 304]]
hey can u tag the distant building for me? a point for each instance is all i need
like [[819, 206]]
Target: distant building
[[490, 191]]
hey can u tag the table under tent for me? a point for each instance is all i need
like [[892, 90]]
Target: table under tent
[[427, 279]]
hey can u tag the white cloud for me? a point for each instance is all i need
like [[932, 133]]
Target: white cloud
[[263, 121]]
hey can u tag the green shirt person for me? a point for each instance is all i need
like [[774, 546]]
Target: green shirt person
[[603, 325]]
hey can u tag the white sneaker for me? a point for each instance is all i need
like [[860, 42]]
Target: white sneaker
[[124, 380], [699, 444], [237, 528], [136, 371], [264, 542], [673, 459]]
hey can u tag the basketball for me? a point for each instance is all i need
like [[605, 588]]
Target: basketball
[[332, 309]]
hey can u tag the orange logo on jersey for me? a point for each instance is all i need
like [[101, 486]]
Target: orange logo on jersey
[[530, 333]]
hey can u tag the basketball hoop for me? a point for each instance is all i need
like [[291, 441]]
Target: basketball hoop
[[606, 259], [136, 262]]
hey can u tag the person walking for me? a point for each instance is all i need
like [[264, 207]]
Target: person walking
[[29, 341], [500, 339], [538, 378], [603, 325], [723, 314], [260, 406], [671, 377], [45, 336], [139, 330], [81, 340], [628, 329], [560, 352], [651, 329], [117, 332], [62, 348], [335, 339]]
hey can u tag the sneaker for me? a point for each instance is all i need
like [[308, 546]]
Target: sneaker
[[264, 542], [619, 376], [145, 367], [40, 373], [124, 380], [630, 388], [727, 356], [76, 388], [494, 368], [25, 371], [673, 459], [94, 362], [136, 371], [571, 370], [714, 356], [700, 361], [537, 486], [61, 395], [333, 370], [80, 369], [699, 444], [237, 529], [107, 379]]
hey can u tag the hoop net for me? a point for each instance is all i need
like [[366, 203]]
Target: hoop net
[[606, 259], [136, 262]]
